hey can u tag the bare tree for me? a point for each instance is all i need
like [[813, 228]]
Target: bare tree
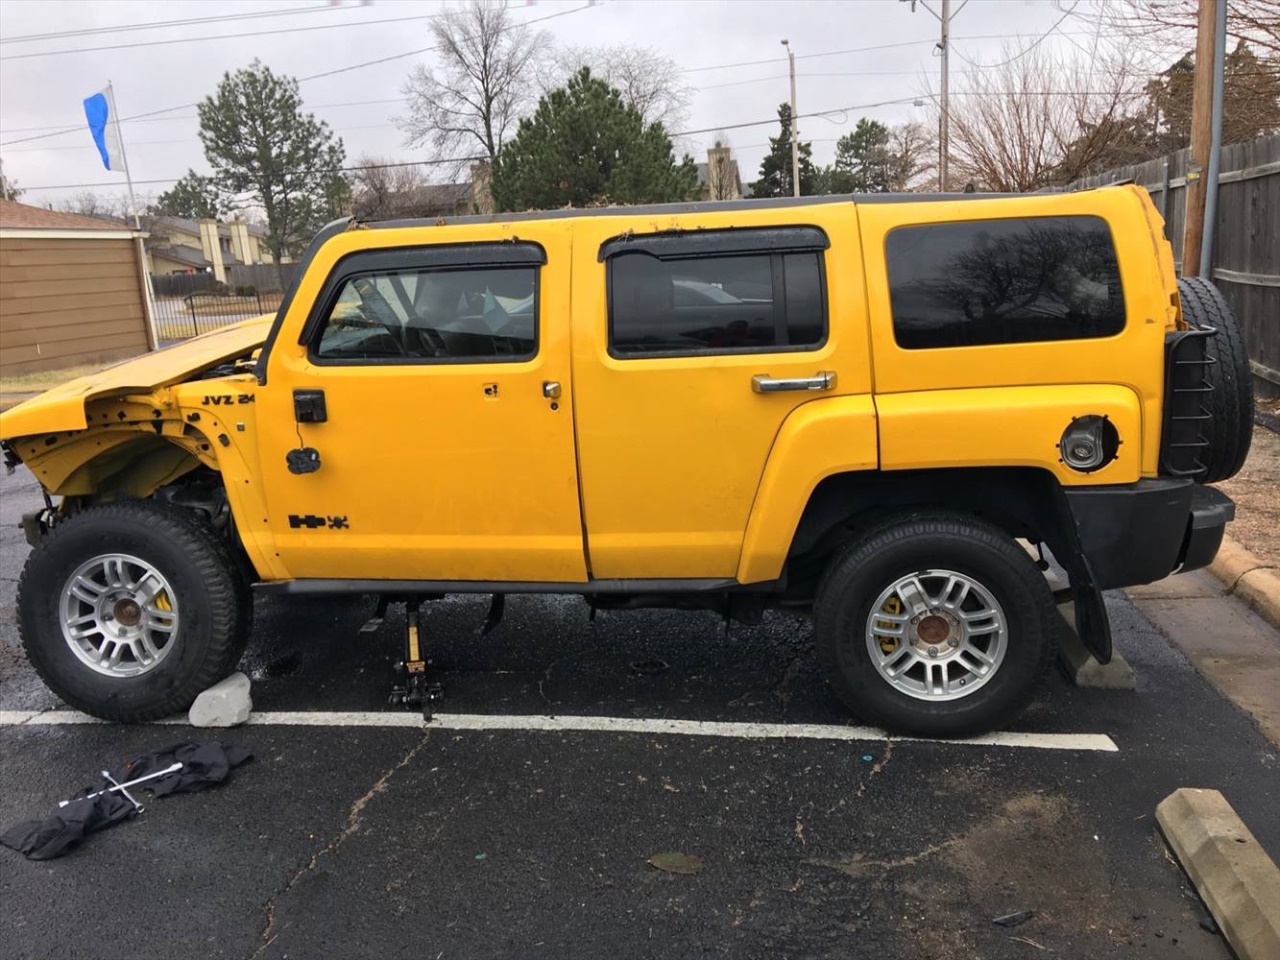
[[383, 190], [1039, 119], [647, 80], [104, 206], [913, 154], [484, 81], [1171, 24]]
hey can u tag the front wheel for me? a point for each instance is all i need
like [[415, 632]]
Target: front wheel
[[129, 610], [935, 625]]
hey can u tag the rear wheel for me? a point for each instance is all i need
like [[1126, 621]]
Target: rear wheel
[[935, 625], [129, 610]]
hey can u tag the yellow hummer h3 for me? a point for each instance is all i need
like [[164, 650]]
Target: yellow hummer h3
[[854, 406]]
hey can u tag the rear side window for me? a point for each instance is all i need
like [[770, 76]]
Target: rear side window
[[742, 303], [1003, 281]]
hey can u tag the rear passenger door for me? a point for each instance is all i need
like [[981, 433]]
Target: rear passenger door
[[691, 348]]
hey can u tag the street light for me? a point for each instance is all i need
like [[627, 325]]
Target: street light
[[795, 147]]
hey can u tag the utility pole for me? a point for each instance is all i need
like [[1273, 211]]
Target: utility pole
[[1215, 144], [795, 145], [943, 118], [944, 45], [1201, 137]]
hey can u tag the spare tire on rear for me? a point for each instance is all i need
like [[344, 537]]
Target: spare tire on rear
[[1230, 403]]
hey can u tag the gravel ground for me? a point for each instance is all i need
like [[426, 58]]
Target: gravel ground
[[1256, 491]]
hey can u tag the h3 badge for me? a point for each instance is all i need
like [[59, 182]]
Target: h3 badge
[[312, 522]]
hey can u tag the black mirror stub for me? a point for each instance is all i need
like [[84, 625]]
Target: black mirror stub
[[309, 407]]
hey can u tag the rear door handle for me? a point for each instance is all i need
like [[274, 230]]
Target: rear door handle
[[763, 383]]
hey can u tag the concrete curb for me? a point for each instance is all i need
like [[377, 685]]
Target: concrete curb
[[1238, 882], [1248, 578]]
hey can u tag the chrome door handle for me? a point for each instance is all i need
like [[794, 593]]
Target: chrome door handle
[[551, 389], [763, 383]]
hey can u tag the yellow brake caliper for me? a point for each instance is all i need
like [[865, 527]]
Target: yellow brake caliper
[[893, 607], [162, 601]]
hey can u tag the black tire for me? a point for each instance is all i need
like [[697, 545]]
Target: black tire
[[199, 567], [934, 541], [1230, 431]]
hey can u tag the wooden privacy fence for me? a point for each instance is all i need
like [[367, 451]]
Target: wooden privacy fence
[[1246, 247]]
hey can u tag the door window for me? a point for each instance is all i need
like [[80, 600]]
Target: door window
[[477, 315]]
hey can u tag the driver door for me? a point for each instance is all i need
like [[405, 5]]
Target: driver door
[[433, 382]]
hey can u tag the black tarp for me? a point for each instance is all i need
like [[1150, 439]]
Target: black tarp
[[203, 765]]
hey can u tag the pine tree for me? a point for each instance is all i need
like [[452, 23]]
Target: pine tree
[[775, 169], [192, 198], [585, 146], [259, 142]]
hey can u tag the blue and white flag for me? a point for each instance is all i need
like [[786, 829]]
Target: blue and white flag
[[100, 110]]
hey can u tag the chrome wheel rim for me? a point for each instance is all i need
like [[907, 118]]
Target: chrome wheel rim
[[119, 615], [937, 635]]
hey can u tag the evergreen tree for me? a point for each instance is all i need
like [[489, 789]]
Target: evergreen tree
[[863, 161], [775, 169], [192, 198], [259, 142], [585, 146]]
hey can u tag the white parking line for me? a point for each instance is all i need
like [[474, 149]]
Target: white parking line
[[563, 724]]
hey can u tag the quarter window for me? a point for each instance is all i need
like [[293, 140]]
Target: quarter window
[[474, 314], [753, 302], [1003, 281]]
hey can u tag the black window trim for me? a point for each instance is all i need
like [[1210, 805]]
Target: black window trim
[[423, 258], [672, 247], [732, 241], [1007, 343]]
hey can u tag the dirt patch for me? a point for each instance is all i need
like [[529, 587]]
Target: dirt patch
[[1256, 491], [1032, 853]]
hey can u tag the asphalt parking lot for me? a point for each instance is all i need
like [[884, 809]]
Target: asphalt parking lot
[[396, 841]]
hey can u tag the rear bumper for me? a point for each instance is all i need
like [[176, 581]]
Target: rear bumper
[[1142, 532]]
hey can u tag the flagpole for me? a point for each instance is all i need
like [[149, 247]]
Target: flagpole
[[148, 298], [128, 176]]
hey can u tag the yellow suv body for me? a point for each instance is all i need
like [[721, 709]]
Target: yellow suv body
[[712, 404]]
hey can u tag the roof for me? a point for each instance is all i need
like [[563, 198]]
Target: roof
[[181, 254], [445, 195], [20, 216]]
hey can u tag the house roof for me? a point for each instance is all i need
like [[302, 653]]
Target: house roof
[[181, 254], [445, 195], [20, 216]]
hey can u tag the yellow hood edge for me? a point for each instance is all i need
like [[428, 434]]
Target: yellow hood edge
[[63, 408]]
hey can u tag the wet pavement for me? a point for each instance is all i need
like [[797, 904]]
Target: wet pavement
[[400, 842]]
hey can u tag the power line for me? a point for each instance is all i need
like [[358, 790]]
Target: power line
[[411, 53], [314, 76], [1031, 46], [161, 24], [224, 36], [352, 169]]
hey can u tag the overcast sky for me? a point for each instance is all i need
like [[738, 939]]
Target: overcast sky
[[178, 64]]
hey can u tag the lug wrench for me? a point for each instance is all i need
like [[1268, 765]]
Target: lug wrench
[[172, 768], [137, 807]]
